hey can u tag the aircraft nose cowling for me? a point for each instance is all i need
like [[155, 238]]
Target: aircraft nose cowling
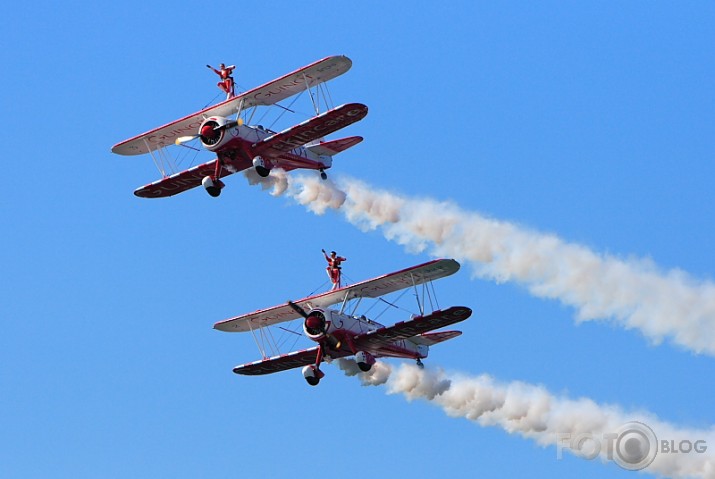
[[316, 328], [212, 132], [314, 325]]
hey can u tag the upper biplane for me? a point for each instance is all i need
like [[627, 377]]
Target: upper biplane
[[341, 333], [224, 130]]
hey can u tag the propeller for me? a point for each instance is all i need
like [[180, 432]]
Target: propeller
[[315, 321], [187, 138], [297, 309]]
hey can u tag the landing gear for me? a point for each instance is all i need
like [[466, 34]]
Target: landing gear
[[213, 184], [323, 174], [260, 166], [420, 364], [213, 187], [312, 374], [364, 360]]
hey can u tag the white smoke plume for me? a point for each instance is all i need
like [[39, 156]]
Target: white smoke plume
[[533, 412], [633, 293]]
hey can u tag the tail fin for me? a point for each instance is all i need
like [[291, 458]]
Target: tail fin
[[330, 148]]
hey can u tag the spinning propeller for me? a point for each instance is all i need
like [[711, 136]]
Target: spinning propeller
[[315, 326], [208, 132]]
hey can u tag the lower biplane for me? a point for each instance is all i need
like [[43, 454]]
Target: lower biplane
[[224, 129], [340, 333]]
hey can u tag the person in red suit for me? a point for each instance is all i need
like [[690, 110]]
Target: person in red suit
[[226, 83], [334, 268]]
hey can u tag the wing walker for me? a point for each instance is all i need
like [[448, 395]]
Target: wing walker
[[225, 130]]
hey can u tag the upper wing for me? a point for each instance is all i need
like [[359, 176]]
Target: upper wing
[[373, 340], [268, 94], [371, 288], [312, 129]]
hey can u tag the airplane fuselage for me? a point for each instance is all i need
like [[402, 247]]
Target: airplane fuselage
[[236, 145], [344, 327]]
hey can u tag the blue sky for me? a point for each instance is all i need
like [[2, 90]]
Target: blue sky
[[592, 122]]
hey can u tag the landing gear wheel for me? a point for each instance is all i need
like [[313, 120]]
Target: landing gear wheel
[[313, 381], [420, 364], [263, 171], [323, 175], [213, 187], [364, 367], [213, 191]]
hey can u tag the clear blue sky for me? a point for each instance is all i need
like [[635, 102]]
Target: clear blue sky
[[594, 122]]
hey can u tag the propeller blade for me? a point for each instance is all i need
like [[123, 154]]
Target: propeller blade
[[229, 124], [297, 309], [184, 139]]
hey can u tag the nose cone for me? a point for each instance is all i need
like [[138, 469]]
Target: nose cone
[[314, 323], [208, 132]]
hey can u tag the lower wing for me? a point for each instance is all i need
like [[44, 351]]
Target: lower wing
[[180, 182], [284, 362]]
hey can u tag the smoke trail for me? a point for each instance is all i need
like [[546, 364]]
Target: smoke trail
[[533, 412], [633, 293]]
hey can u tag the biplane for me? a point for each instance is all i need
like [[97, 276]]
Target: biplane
[[224, 129], [342, 333]]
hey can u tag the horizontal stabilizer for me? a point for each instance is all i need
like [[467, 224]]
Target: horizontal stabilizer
[[429, 339], [330, 148]]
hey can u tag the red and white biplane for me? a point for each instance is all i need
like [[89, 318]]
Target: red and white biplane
[[340, 333], [224, 130]]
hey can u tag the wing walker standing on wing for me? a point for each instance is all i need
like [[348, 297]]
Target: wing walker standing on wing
[[334, 268], [226, 84]]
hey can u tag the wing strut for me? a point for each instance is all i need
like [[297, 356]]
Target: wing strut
[[417, 295], [312, 98], [158, 160], [258, 343], [357, 305], [239, 109], [344, 302]]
